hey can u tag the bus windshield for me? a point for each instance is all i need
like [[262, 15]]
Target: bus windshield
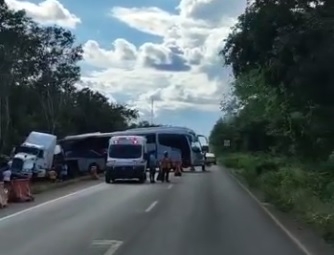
[[125, 151]]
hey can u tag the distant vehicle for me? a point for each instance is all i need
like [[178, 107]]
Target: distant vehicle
[[127, 158], [165, 138], [210, 159], [34, 157]]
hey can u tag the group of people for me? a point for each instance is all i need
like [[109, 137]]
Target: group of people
[[7, 174], [165, 165], [14, 187]]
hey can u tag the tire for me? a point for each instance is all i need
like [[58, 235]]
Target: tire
[[107, 178], [143, 178]]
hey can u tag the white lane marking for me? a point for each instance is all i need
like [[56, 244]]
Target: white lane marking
[[294, 239], [150, 208], [113, 245], [170, 186], [49, 202]]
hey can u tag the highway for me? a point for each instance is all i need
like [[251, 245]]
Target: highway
[[198, 214]]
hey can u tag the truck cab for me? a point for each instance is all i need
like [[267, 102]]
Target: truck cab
[[126, 159], [29, 160], [34, 157]]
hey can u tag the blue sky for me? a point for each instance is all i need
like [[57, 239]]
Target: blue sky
[[136, 51]]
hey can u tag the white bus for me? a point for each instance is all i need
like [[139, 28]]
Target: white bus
[[165, 138]]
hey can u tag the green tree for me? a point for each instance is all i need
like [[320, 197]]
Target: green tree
[[38, 75], [281, 53]]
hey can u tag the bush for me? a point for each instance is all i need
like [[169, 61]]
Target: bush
[[252, 166], [239, 161], [307, 193]]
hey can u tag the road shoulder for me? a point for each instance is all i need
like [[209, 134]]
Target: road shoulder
[[48, 195], [304, 235]]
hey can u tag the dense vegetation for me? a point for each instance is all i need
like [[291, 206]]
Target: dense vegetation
[[279, 117], [38, 73]]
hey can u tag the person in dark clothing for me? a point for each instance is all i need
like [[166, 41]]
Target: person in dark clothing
[[58, 169], [152, 166], [165, 166]]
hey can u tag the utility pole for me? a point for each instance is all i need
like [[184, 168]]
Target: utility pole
[[152, 110]]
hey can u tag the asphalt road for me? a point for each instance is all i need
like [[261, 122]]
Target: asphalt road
[[198, 214]]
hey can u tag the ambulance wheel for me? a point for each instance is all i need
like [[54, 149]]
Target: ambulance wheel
[[143, 178], [107, 178], [203, 168]]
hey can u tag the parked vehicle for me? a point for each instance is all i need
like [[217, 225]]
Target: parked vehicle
[[127, 158], [210, 159], [165, 138], [34, 157], [84, 151]]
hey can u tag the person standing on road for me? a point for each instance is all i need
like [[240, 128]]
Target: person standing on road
[[152, 166], [165, 166], [7, 177], [64, 172]]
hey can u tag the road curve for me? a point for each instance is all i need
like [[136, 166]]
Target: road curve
[[198, 214]]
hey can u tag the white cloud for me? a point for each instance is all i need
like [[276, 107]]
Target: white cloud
[[213, 12], [47, 12], [151, 20], [190, 41], [123, 54], [182, 71]]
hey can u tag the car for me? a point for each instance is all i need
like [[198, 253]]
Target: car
[[210, 159]]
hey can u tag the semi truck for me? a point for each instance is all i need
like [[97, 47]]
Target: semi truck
[[34, 157]]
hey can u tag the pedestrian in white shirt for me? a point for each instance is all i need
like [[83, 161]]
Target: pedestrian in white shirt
[[7, 176]]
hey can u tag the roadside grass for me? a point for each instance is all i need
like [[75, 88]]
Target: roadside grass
[[40, 187], [305, 191]]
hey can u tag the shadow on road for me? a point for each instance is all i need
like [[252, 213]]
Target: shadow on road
[[197, 172], [133, 182]]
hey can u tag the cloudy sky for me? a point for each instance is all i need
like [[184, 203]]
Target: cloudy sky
[[136, 50]]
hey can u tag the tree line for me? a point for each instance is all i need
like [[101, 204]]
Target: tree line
[[282, 100], [279, 116], [39, 68]]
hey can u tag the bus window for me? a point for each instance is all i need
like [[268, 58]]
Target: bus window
[[151, 138], [178, 141]]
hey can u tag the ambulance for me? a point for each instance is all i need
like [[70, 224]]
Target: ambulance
[[127, 158]]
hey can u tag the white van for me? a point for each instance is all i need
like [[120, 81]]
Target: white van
[[127, 158]]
